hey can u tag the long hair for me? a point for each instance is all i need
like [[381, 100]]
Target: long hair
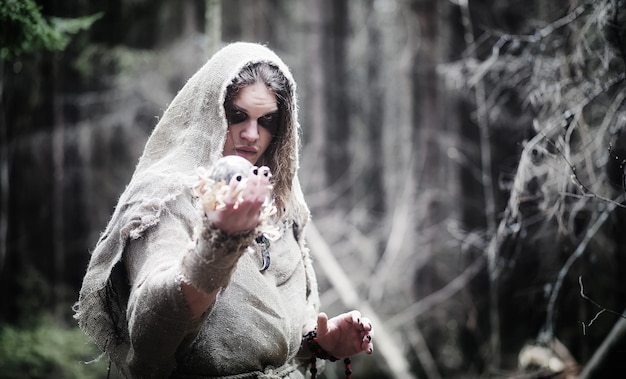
[[275, 81]]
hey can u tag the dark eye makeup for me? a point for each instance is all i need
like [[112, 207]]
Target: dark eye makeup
[[235, 116], [268, 121]]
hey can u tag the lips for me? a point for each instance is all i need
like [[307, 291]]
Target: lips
[[247, 152], [247, 149]]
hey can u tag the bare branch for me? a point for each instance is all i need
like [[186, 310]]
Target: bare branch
[[580, 249], [602, 309]]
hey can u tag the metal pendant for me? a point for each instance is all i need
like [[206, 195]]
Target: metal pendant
[[264, 244]]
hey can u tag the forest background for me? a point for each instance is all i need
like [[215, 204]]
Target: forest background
[[463, 160]]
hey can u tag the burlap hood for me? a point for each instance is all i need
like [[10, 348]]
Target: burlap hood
[[191, 133]]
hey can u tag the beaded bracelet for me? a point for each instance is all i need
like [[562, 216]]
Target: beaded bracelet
[[319, 352]]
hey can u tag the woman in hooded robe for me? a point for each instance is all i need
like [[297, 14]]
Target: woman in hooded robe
[[202, 270]]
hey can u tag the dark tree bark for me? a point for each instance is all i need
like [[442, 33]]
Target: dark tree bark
[[338, 110]]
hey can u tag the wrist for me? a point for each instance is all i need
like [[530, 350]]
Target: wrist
[[312, 343], [209, 265]]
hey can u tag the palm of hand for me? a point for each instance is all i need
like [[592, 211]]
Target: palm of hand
[[233, 193]]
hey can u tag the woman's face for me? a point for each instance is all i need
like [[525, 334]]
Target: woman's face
[[252, 121]]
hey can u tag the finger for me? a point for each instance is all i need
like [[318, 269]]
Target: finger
[[367, 345], [236, 179], [367, 325], [259, 182], [258, 194], [265, 172], [322, 324], [261, 175], [356, 317], [236, 185]]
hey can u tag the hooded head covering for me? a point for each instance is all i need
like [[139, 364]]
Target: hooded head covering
[[191, 133], [193, 129]]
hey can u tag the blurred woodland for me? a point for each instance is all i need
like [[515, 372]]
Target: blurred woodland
[[463, 160]]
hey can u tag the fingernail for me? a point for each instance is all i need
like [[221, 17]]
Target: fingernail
[[238, 178], [255, 171], [369, 338]]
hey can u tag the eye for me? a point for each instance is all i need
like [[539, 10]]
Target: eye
[[235, 116], [269, 122]]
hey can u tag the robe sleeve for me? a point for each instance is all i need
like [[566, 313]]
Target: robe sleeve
[[313, 300], [160, 324]]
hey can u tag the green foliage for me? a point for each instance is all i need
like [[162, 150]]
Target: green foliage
[[35, 295], [24, 30], [49, 351], [98, 60]]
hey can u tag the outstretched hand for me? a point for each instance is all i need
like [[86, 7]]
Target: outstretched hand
[[240, 201], [345, 335]]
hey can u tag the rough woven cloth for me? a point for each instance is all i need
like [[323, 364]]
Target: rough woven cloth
[[157, 206]]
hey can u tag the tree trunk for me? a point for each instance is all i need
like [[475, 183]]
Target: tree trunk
[[58, 188], [337, 115], [314, 85], [213, 26], [4, 175]]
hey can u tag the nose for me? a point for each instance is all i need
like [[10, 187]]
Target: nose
[[250, 131]]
